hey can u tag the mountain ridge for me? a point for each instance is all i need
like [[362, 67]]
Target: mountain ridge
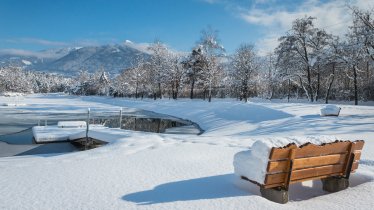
[[113, 58]]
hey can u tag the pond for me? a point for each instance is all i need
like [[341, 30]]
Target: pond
[[16, 136]]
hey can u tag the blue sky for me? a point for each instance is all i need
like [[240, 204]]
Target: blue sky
[[41, 24]]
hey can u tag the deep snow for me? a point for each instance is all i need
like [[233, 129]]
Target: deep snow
[[164, 171]]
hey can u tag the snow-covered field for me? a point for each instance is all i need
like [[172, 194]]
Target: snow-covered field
[[164, 171]]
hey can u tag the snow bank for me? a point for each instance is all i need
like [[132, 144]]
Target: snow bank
[[12, 104], [11, 94], [330, 110], [71, 124], [253, 163]]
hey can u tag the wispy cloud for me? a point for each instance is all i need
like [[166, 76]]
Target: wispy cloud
[[211, 1], [37, 41], [20, 52], [333, 16], [274, 17]]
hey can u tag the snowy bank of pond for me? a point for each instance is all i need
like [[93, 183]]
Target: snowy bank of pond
[[16, 122]]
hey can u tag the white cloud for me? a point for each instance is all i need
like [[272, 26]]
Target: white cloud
[[43, 42], [211, 1], [333, 16], [19, 52], [265, 45]]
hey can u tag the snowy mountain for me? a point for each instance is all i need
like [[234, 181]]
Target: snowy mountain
[[69, 61]]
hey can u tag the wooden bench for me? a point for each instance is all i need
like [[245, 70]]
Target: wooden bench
[[332, 163]]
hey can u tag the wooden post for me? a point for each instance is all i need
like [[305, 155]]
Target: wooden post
[[348, 159], [291, 157]]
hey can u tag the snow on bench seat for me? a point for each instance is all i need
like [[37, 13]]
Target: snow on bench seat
[[72, 124], [252, 164]]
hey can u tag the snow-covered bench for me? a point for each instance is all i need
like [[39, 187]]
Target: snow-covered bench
[[330, 162]]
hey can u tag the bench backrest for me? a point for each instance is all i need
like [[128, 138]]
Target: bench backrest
[[296, 164]]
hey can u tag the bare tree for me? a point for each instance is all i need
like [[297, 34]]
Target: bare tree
[[244, 64]]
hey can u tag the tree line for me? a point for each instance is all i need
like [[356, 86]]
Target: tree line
[[308, 63]]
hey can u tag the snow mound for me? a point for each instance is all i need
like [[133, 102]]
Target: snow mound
[[26, 62], [253, 163], [12, 104], [330, 110], [11, 94]]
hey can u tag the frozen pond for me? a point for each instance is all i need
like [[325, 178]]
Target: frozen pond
[[16, 137]]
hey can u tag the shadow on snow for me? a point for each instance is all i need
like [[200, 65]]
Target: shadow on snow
[[225, 186]]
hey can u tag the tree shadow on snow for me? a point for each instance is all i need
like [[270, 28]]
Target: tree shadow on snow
[[212, 187]]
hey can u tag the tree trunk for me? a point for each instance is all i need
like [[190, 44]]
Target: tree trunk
[[172, 90], [289, 90], [330, 85], [159, 90], [318, 83], [210, 92], [136, 90], [176, 89], [310, 90], [368, 77], [355, 84], [192, 87]]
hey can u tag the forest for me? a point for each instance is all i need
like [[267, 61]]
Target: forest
[[308, 63]]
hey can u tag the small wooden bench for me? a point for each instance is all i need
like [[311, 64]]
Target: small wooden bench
[[332, 163]]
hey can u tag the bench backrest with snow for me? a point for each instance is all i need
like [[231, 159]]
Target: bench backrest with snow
[[331, 162]]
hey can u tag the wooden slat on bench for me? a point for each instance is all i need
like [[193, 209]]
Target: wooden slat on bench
[[358, 145], [311, 150], [280, 166], [357, 155], [316, 172], [281, 153], [354, 166], [318, 161], [305, 173], [277, 166], [275, 178]]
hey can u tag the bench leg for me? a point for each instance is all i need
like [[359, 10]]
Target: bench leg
[[277, 195], [334, 184]]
